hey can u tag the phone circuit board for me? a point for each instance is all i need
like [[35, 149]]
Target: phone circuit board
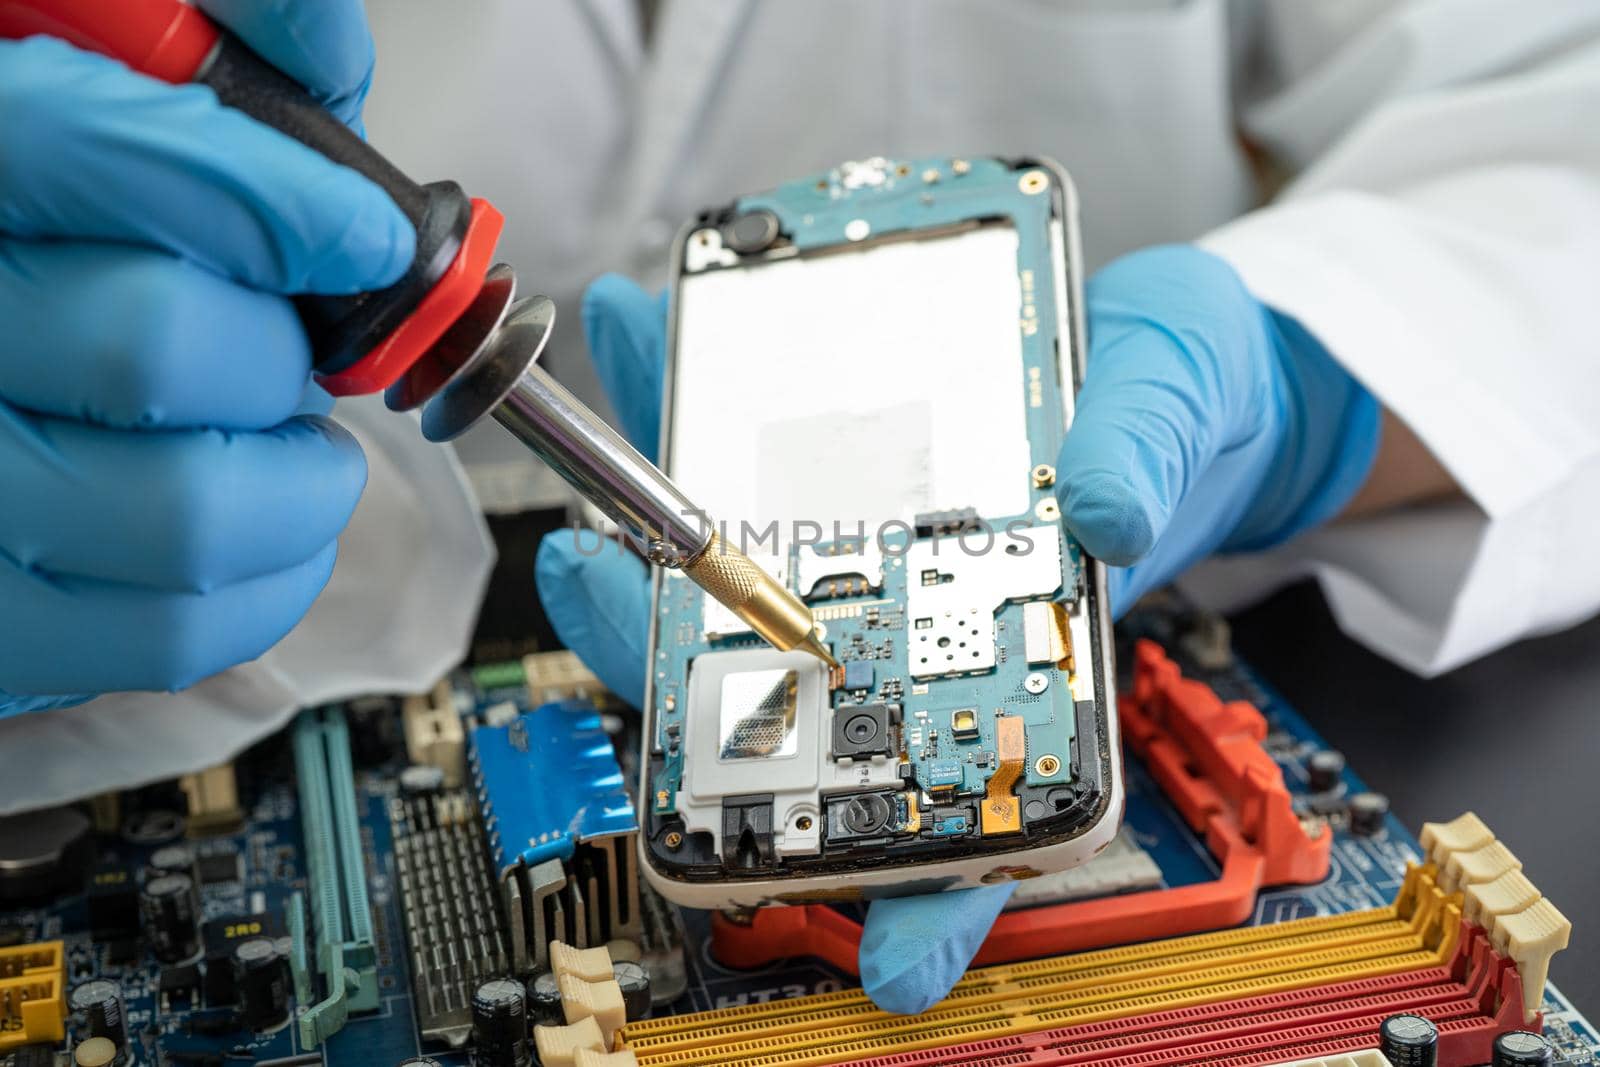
[[969, 715]]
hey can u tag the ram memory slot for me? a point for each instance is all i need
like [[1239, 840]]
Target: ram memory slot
[[336, 873], [1418, 932], [1343, 1012]]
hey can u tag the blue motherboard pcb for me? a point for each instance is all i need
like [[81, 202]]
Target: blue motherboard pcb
[[251, 872]]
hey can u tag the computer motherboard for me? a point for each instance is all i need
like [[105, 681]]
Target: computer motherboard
[[452, 877]]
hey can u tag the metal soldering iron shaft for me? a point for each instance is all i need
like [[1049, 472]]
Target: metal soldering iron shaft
[[602, 466], [641, 500], [488, 364]]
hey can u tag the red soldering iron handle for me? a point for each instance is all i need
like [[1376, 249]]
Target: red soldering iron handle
[[361, 343], [162, 38]]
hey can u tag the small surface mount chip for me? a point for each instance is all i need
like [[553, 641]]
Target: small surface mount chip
[[858, 674]]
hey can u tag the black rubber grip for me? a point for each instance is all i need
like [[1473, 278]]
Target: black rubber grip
[[342, 329]]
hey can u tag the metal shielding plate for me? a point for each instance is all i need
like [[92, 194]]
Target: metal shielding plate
[[757, 718]]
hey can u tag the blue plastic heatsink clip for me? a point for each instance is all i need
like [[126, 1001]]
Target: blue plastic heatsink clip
[[547, 781]]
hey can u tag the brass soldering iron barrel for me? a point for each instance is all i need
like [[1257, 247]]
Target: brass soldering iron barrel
[[732, 578]]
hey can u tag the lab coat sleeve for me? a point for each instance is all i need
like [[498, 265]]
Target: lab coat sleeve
[[1443, 241]]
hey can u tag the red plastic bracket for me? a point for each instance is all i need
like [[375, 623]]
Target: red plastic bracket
[[1207, 756]]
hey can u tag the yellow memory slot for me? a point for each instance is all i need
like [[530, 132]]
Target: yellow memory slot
[[981, 982], [1048, 993], [854, 1043], [906, 1033], [977, 982], [1419, 930]]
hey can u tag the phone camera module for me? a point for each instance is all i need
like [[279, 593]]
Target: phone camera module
[[861, 732], [754, 231]]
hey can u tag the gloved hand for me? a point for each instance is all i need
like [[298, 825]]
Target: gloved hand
[[1205, 422], [167, 513]]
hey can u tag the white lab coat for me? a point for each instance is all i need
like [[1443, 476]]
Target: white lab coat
[[1441, 233]]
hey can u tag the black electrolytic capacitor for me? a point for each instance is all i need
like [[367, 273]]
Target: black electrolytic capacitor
[[261, 981], [99, 1004], [173, 859], [1409, 1041], [635, 983], [1367, 813], [1323, 769], [1520, 1048], [500, 1025], [170, 907], [544, 1001]]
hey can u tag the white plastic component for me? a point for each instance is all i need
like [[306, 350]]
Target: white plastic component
[[953, 592], [1531, 937], [1369, 1058], [434, 736], [500, 714], [620, 1058], [589, 964], [1521, 923], [600, 1001], [1461, 834], [1505, 895], [558, 1046], [1461, 869]]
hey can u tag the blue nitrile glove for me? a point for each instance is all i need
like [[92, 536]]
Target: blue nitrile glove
[[166, 510], [598, 599], [1207, 422]]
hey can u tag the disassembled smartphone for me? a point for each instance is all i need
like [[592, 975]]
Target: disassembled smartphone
[[870, 374]]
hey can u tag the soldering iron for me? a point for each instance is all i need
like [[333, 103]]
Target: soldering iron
[[451, 337]]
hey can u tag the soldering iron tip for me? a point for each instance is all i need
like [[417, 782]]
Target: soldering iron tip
[[814, 645]]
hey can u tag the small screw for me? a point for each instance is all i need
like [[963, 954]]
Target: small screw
[[1036, 683], [803, 823], [673, 840]]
